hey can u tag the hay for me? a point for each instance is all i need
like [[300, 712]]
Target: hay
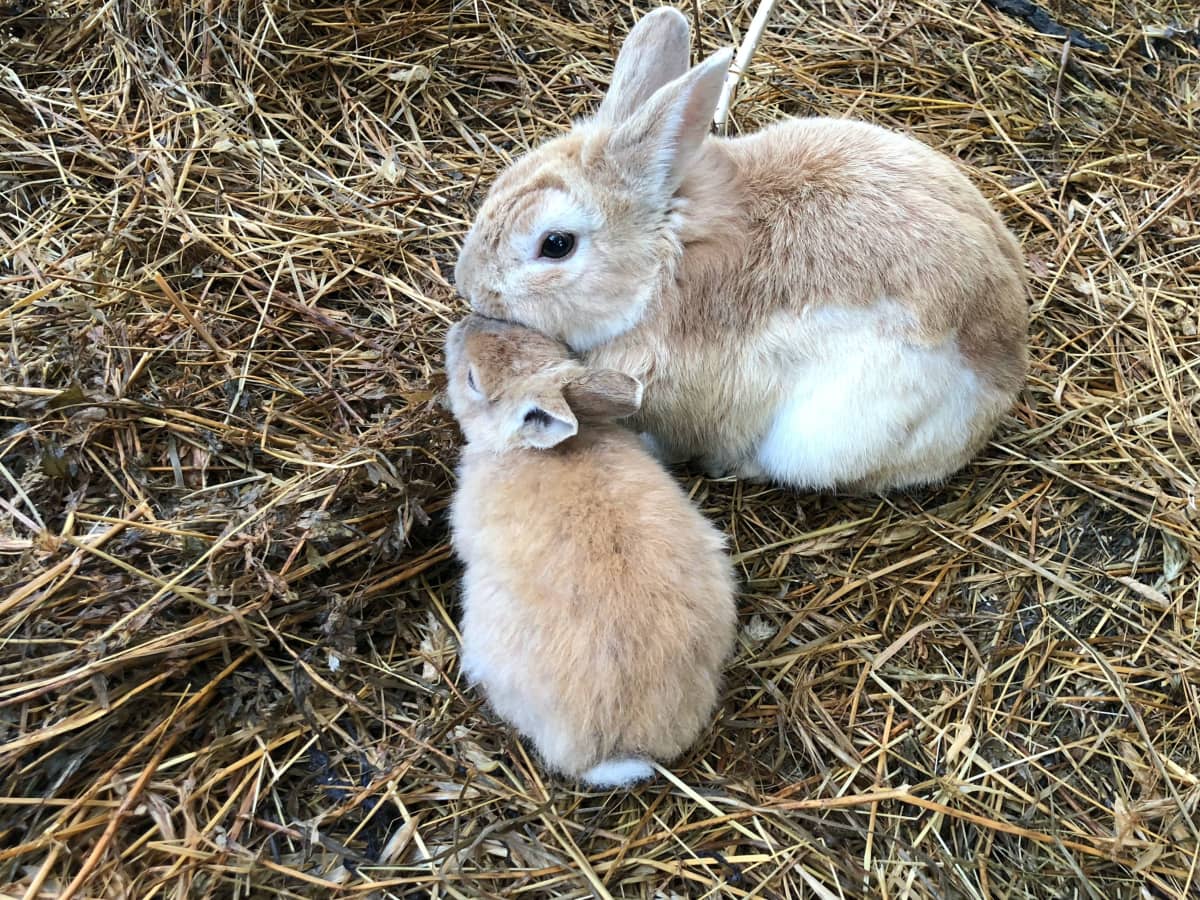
[[227, 657]]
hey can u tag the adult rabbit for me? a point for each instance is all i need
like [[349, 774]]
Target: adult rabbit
[[823, 303]]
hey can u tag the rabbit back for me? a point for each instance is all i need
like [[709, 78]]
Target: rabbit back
[[597, 604], [845, 214]]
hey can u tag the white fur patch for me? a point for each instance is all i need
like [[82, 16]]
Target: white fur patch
[[618, 773], [584, 339], [861, 399], [558, 211]]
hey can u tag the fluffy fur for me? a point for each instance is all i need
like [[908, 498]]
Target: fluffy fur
[[823, 303], [598, 603]]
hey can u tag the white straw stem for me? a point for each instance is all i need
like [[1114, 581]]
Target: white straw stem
[[742, 61]]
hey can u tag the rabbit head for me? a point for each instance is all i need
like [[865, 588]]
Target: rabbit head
[[573, 238], [510, 386]]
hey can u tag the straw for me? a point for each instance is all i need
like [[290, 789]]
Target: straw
[[228, 609]]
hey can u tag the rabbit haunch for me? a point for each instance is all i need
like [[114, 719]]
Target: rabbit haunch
[[824, 303], [597, 601]]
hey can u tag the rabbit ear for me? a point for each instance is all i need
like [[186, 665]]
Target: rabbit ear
[[604, 394], [654, 53], [659, 140], [545, 421]]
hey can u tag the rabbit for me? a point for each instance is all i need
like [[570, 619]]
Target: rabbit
[[823, 304], [597, 602]]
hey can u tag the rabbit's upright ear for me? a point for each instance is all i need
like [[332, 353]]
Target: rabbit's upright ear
[[604, 394], [659, 140], [655, 52], [544, 420]]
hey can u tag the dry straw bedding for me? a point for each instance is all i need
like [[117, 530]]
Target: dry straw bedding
[[227, 656]]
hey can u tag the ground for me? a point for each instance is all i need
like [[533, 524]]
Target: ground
[[228, 660]]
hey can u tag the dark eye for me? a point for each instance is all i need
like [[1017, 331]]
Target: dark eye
[[557, 245], [471, 380]]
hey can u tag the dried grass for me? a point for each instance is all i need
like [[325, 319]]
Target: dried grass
[[227, 660]]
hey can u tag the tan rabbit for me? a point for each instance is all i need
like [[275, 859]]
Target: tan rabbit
[[598, 603], [824, 303]]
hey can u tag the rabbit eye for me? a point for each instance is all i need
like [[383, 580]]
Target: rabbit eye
[[557, 245], [471, 380]]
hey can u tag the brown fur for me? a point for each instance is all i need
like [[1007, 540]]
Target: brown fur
[[598, 602], [805, 215]]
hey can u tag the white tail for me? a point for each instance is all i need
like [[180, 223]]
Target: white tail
[[617, 773]]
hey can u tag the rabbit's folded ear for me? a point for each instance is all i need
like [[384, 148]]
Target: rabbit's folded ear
[[654, 53], [545, 421], [659, 140], [604, 394]]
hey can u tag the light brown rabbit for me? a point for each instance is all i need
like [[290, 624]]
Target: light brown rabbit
[[598, 603], [824, 303]]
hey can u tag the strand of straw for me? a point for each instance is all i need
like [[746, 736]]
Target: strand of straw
[[741, 62]]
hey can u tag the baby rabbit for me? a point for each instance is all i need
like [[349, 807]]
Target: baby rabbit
[[598, 603], [824, 304]]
